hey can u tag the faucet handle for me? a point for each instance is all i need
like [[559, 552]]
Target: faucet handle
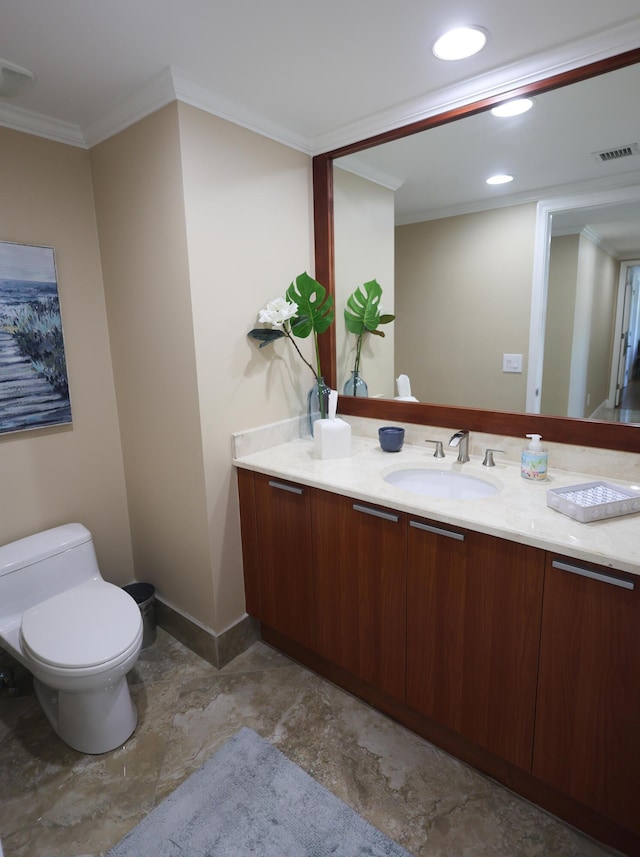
[[488, 457], [439, 453]]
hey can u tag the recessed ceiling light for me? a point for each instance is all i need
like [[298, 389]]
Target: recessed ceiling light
[[499, 179], [512, 108], [460, 43]]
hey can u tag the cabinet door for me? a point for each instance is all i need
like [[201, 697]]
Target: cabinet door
[[283, 530], [360, 589], [473, 629], [588, 713], [250, 560]]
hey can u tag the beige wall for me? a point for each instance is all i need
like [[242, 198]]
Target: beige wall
[[364, 251], [249, 233], [561, 305], [73, 473], [593, 329], [463, 299], [581, 305], [141, 221], [200, 224]]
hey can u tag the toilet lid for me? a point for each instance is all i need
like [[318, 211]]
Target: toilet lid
[[82, 627]]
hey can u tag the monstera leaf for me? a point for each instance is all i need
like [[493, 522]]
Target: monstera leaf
[[315, 306], [362, 312]]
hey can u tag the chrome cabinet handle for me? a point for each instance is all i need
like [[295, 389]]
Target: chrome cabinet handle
[[594, 575], [437, 530], [282, 486], [376, 513]]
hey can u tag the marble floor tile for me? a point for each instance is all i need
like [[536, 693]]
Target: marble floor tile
[[55, 802]]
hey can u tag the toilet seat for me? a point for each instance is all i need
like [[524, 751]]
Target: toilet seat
[[88, 627]]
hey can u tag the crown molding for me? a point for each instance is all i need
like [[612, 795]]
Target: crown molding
[[151, 96], [564, 58], [602, 185], [196, 94], [40, 125], [169, 85], [156, 93], [366, 171], [172, 83], [595, 239]]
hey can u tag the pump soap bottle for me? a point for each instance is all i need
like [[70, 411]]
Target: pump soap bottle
[[332, 436], [533, 464]]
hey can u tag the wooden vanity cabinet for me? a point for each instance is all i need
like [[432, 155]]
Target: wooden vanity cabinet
[[281, 586], [329, 573], [473, 628], [503, 654], [359, 596], [587, 742]]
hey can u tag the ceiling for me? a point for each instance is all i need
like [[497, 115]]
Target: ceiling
[[314, 74], [309, 71], [550, 150]]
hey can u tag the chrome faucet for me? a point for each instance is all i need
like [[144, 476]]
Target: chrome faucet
[[461, 440]]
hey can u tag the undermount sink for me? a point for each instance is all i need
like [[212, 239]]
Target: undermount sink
[[441, 483]]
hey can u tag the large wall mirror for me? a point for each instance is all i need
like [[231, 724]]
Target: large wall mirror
[[516, 305]]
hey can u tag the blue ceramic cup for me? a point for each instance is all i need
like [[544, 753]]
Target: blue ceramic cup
[[391, 438]]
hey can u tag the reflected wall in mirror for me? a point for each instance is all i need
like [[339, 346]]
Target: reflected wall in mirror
[[364, 251], [485, 317]]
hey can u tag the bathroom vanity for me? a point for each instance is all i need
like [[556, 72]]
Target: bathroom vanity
[[498, 629]]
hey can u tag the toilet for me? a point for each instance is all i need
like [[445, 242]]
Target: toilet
[[77, 634]]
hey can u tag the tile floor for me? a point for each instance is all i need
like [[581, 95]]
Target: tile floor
[[55, 802]]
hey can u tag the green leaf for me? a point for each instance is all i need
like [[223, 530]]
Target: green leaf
[[265, 335], [315, 306], [387, 318], [362, 310]]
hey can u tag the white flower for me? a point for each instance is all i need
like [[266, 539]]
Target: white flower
[[277, 312]]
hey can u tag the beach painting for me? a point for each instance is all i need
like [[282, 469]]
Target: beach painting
[[34, 389]]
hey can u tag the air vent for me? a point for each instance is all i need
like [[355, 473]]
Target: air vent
[[615, 154]]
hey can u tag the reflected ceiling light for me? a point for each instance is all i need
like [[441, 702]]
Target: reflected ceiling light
[[499, 179], [14, 78], [460, 43], [512, 108]]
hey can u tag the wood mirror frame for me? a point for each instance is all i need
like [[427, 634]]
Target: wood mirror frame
[[597, 433]]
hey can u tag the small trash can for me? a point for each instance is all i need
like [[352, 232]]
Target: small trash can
[[144, 596]]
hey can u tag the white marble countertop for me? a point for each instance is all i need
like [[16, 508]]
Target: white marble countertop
[[518, 511]]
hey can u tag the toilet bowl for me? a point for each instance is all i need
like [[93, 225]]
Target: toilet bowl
[[77, 634]]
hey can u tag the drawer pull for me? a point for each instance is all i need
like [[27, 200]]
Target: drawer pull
[[437, 530], [376, 513], [282, 486], [594, 575]]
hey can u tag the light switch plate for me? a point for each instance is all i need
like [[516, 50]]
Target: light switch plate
[[512, 363]]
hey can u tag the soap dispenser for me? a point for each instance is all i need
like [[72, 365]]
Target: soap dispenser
[[332, 437], [533, 463]]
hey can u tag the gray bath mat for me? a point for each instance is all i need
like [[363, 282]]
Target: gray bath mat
[[248, 800]]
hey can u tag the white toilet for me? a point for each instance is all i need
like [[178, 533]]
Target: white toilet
[[76, 633]]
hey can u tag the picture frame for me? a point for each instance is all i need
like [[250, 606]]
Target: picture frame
[[34, 386]]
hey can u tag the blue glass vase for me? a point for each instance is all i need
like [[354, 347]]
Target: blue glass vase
[[318, 403], [356, 385]]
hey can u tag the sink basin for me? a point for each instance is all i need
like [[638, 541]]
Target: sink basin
[[441, 483]]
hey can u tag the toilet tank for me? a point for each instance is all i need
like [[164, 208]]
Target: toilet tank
[[40, 566]]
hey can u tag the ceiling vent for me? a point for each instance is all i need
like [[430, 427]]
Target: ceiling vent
[[615, 154]]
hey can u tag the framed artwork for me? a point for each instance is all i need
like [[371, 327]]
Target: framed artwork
[[34, 389]]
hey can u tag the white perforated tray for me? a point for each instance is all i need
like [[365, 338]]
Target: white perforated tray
[[593, 501]]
